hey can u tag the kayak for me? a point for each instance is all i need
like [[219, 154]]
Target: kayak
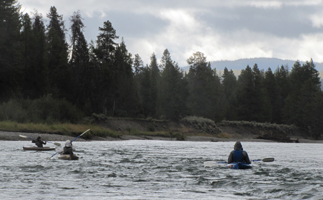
[[67, 157], [39, 148], [239, 165]]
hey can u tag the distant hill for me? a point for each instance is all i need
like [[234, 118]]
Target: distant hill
[[263, 64]]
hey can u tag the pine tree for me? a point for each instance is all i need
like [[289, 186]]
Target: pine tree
[[203, 87], [59, 74], [126, 100], [138, 64], [27, 48], [106, 46], [271, 93], [10, 57], [229, 83], [103, 59], [79, 53], [149, 80], [253, 104], [80, 63], [154, 85], [245, 92], [300, 102], [39, 62], [314, 122], [172, 94], [32, 49], [138, 67], [261, 103], [282, 79], [145, 92]]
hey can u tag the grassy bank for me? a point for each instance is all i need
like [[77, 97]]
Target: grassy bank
[[76, 129], [116, 128], [57, 128]]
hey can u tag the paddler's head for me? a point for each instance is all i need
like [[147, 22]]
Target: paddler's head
[[68, 143], [238, 146], [38, 138]]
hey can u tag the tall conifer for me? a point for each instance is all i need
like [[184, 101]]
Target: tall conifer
[[172, 92], [80, 64], [229, 83], [204, 90], [39, 52], [10, 54], [154, 85], [103, 59], [126, 100], [59, 73]]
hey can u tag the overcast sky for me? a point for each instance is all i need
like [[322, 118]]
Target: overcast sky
[[222, 30]]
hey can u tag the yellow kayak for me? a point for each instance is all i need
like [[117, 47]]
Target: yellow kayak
[[67, 157]]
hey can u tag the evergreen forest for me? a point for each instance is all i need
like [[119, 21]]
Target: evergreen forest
[[45, 78]]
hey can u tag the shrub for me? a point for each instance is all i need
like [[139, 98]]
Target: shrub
[[201, 123], [224, 135], [13, 110], [151, 128], [42, 110], [197, 120], [177, 135]]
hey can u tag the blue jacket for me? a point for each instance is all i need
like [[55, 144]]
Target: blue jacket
[[238, 154]]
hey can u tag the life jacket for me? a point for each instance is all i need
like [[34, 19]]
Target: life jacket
[[68, 150], [237, 156]]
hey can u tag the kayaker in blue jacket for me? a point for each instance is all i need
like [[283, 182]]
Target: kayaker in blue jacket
[[68, 149], [39, 142], [238, 154]]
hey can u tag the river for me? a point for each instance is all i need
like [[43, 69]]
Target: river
[[146, 169]]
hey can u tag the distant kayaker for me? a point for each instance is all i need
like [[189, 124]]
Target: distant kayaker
[[238, 154], [68, 149], [39, 142]]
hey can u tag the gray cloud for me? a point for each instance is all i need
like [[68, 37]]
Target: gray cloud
[[291, 21], [126, 24], [222, 30]]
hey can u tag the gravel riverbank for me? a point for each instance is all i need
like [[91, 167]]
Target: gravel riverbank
[[5, 135], [14, 136]]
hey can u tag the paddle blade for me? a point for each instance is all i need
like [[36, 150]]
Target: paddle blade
[[80, 135], [23, 136], [210, 164], [213, 163], [84, 132], [268, 160]]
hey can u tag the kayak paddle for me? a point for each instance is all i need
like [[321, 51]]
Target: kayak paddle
[[265, 160], [72, 141], [56, 143], [213, 163], [80, 135]]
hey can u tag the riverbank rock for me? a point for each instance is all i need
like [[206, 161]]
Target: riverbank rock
[[266, 131]]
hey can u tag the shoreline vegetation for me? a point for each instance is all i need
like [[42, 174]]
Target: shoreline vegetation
[[188, 129], [55, 87]]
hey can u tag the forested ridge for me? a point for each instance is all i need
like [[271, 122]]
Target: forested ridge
[[45, 78]]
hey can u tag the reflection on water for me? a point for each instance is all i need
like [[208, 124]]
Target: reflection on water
[[161, 169]]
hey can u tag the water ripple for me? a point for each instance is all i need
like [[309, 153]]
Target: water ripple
[[160, 170]]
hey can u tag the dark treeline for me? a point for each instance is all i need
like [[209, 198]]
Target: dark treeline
[[45, 77]]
